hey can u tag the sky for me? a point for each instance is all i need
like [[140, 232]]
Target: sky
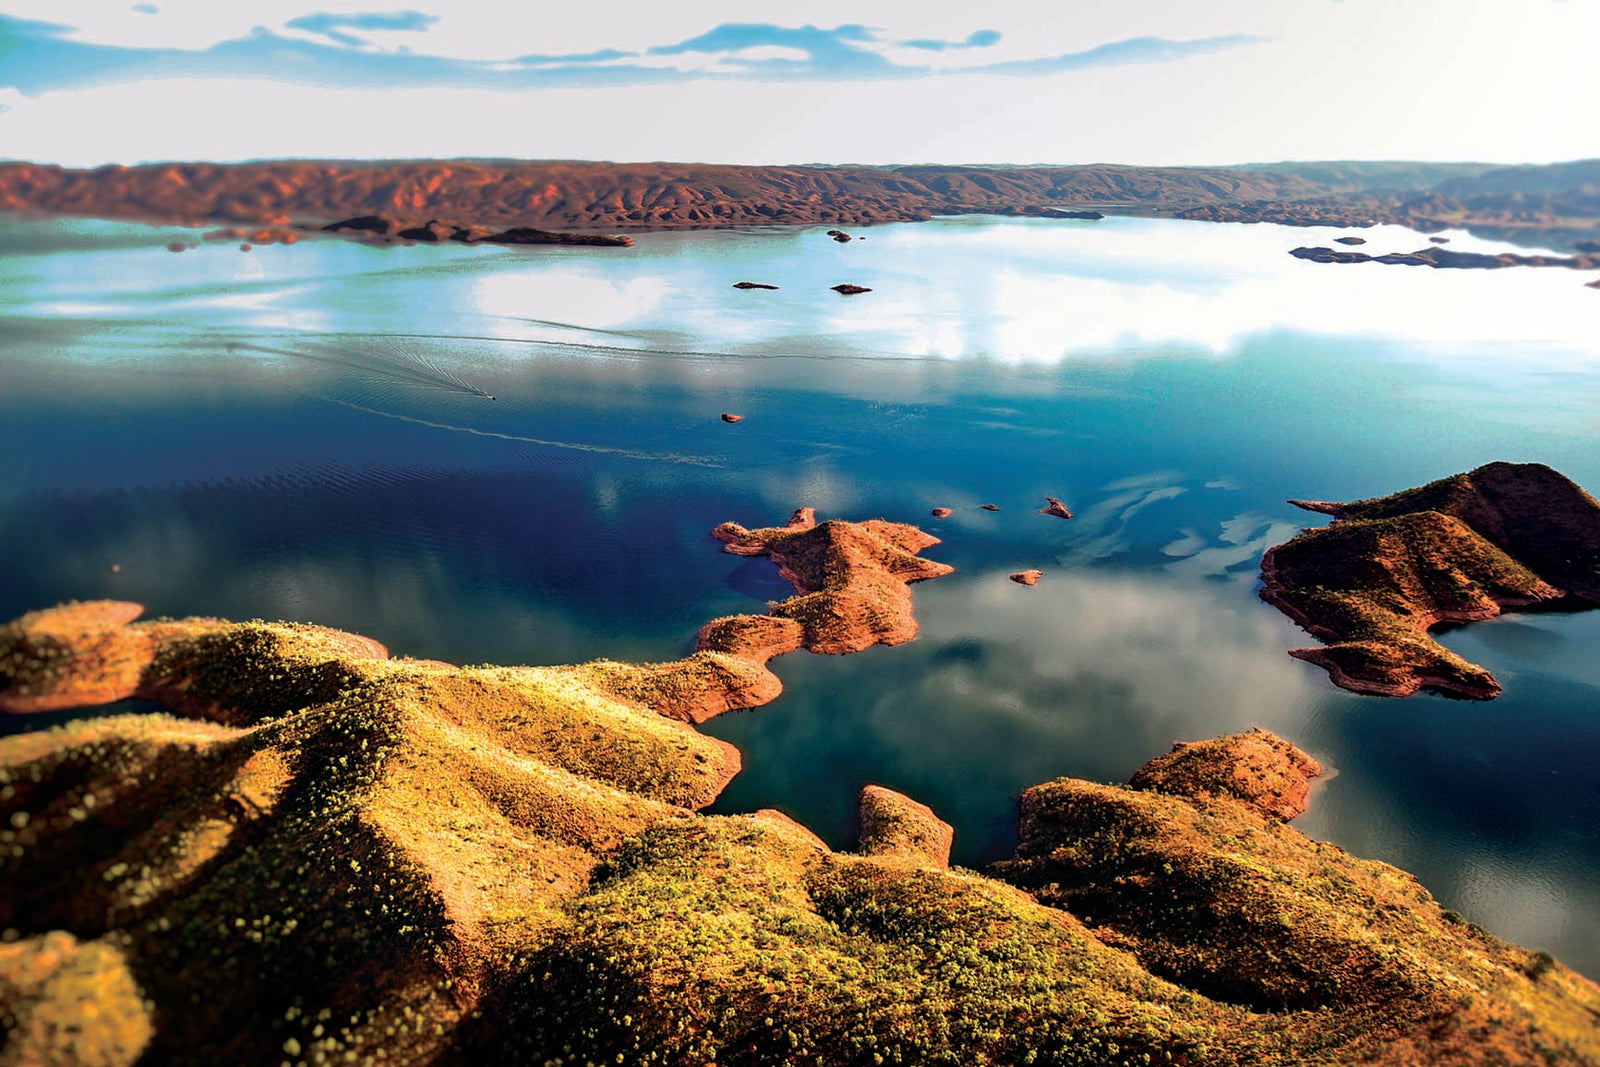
[[87, 82]]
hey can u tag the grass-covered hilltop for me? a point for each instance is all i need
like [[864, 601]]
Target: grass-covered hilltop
[[327, 855], [1460, 549]]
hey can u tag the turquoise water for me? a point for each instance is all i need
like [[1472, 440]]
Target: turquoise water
[[292, 433]]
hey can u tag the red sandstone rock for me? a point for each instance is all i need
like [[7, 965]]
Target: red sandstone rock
[[1386, 571], [893, 824], [850, 577], [753, 637], [1056, 508], [941, 513], [1262, 771], [1029, 577], [989, 507], [72, 656], [728, 416]]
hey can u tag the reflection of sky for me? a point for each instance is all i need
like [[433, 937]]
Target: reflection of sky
[[1087, 674], [1018, 291], [1172, 383]]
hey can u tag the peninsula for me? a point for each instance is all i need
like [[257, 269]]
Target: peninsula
[[328, 855], [1460, 549]]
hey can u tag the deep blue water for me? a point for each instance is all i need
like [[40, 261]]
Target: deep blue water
[[279, 434]]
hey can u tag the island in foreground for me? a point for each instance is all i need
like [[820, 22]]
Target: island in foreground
[[328, 855], [1461, 549]]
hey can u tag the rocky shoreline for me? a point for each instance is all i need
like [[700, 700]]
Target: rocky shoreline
[[1553, 204], [325, 854], [336, 856]]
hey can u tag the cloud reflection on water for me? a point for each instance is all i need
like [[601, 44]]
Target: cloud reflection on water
[[1088, 673]]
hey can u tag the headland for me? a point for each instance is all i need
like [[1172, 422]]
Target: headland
[[1461, 549]]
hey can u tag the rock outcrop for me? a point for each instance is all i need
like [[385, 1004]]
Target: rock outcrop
[[1055, 507], [850, 577], [1260, 770], [1461, 549], [892, 824], [753, 285], [847, 289], [1028, 577]]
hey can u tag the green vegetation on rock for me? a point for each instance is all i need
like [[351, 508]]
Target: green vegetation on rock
[[432, 864]]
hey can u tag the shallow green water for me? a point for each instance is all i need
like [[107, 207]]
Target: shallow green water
[[289, 433]]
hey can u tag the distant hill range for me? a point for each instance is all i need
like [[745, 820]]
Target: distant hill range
[[1550, 204]]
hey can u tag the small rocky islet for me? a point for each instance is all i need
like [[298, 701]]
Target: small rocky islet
[[325, 854]]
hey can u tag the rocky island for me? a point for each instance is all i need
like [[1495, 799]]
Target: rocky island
[[328, 855], [384, 229], [850, 580], [1441, 257], [1460, 549]]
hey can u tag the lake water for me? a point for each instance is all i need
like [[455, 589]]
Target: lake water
[[277, 434]]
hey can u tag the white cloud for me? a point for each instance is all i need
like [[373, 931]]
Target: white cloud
[[1415, 79]]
